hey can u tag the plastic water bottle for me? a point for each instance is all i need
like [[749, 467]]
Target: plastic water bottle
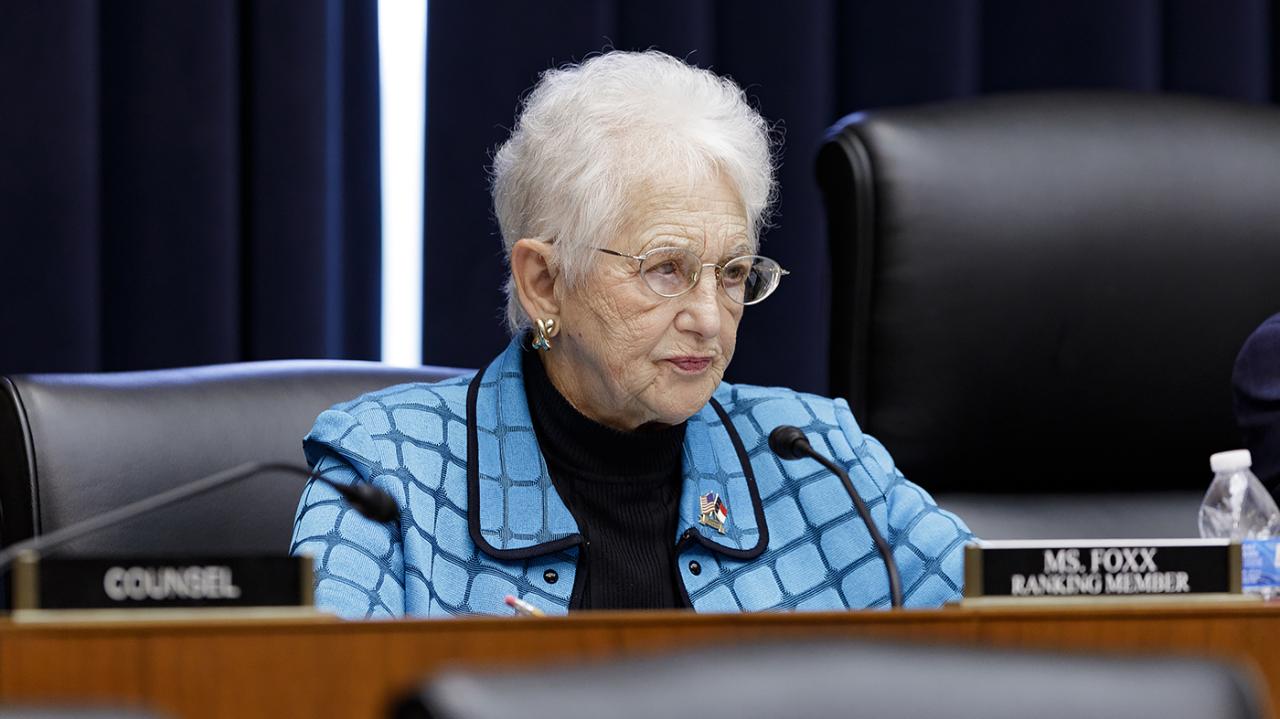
[[1237, 506]]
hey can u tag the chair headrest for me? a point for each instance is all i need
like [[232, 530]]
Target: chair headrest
[[1047, 291], [75, 445]]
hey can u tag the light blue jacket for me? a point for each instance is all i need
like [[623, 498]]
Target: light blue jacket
[[481, 519]]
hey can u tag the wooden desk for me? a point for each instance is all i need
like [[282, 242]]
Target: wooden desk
[[318, 667]]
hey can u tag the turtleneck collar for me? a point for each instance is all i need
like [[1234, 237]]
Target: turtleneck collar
[[592, 448]]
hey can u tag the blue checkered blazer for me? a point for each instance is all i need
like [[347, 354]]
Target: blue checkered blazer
[[481, 519]]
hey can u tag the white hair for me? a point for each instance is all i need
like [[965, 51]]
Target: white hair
[[592, 135]]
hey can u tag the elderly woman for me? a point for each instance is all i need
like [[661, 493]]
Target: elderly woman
[[600, 462]]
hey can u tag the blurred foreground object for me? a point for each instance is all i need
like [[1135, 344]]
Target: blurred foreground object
[[852, 680]]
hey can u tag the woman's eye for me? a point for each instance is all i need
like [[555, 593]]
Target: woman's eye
[[666, 268], [734, 273]]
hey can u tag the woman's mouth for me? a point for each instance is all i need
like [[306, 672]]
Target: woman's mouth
[[690, 365]]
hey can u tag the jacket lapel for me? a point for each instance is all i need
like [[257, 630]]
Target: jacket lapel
[[716, 466], [513, 510]]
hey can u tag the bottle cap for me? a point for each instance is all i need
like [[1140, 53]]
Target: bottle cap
[[1230, 461]]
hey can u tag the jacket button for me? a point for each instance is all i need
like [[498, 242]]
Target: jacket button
[[695, 569], [550, 576]]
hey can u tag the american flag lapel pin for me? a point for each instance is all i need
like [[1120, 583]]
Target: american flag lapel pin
[[713, 511]]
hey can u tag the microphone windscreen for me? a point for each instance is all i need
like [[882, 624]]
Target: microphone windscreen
[[788, 442], [372, 502]]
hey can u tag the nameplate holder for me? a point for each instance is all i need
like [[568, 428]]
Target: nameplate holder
[[154, 582], [1063, 568]]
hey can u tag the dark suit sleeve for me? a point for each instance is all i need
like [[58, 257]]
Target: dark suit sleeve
[[1256, 382]]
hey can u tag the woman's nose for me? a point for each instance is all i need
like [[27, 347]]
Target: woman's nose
[[701, 313]]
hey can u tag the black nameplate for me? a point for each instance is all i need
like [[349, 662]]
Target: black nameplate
[[1114, 567], [127, 582]]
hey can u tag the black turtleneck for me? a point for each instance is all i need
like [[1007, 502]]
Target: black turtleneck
[[623, 488]]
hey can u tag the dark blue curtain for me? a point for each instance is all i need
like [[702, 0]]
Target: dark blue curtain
[[187, 182], [806, 64]]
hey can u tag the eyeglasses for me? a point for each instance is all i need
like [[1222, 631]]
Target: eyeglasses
[[673, 271]]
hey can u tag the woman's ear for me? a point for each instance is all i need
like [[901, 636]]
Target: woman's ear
[[535, 277]]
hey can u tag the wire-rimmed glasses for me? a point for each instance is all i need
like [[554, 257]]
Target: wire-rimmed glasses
[[673, 271]]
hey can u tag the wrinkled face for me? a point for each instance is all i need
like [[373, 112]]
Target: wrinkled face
[[627, 356]]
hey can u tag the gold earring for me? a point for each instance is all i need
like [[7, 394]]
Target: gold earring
[[547, 329]]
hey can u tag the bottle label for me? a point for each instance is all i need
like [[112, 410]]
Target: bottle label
[[1260, 565]]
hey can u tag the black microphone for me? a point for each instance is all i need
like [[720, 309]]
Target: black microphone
[[367, 499], [790, 443]]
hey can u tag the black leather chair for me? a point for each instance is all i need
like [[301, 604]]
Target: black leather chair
[[1044, 294], [75, 445], [802, 681]]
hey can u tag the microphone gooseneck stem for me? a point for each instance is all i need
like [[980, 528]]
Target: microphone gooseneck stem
[[60, 537], [886, 553]]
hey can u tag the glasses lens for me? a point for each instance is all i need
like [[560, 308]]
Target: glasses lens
[[670, 271], [750, 279]]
